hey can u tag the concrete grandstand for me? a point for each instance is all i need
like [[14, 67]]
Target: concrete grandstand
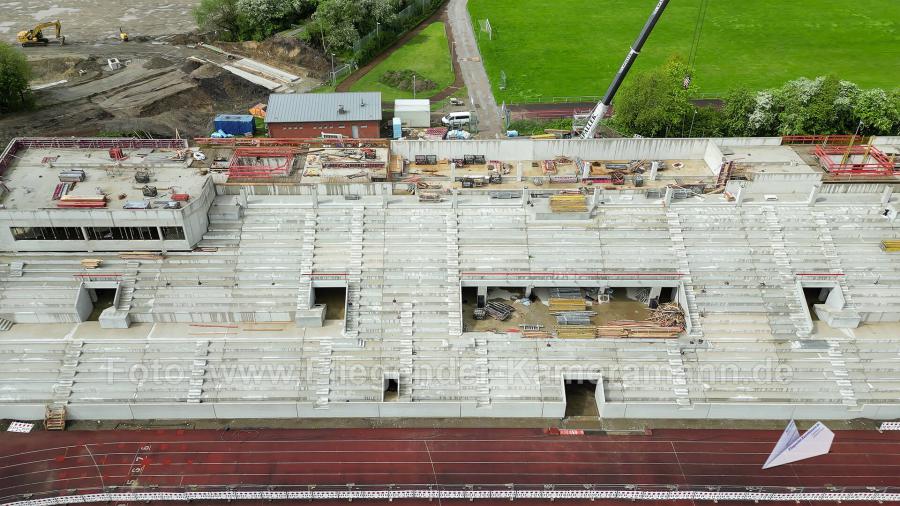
[[344, 295]]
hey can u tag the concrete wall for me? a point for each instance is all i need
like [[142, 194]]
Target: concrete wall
[[193, 218], [713, 158]]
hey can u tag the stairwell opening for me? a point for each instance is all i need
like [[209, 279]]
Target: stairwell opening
[[391, 391], [102, 298], [334, 299], [581, 398], [815, 295]]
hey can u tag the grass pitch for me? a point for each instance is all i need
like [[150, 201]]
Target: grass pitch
[[567, 48]]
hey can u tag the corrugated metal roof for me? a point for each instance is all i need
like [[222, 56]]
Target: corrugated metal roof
[[412, 104], [310, 107]]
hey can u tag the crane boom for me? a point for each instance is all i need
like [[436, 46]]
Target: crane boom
[[590, 128]]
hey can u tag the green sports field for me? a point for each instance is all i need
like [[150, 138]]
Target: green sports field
[[567, 48]]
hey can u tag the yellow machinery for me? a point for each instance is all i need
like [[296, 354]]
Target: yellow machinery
[[123, 35], [35, 36]]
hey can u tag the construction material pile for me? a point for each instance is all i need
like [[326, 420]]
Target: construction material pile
[[574, 317], [566, 304], [636, 329], [576, 332], [496, 310], [568, 204], [890, 246], [668, 315]]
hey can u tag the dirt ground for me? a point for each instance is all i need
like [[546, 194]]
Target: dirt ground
[[168, 81], [93, 20]]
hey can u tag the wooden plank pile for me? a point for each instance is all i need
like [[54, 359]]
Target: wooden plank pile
[[141, 255], [561, 304], [568, 204], [81, 201], [536, 334], [667, 315], [91, 263], [576, 332], [890, 246], [635, 329]]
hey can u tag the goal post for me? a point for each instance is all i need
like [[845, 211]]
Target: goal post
[[485, 26]]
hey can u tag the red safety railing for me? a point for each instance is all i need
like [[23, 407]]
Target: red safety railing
[[840, 140], [234, 142], [874, 162], [20, 144]]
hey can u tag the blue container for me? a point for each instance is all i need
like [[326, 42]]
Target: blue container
[[235, 124], [397, 128]]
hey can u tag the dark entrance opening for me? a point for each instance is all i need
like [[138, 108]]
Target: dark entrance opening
[[102, 298], [391, 390], [667, 294], [813, 296], [334, 299], [581, 398]]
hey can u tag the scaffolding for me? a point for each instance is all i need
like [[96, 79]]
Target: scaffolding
[[247, 163], [862, 160]]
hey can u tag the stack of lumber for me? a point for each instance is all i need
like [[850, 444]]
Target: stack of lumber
[[548, 167], [635, 329], [576, 332], [141, 255], [568, 204], [82, 201], [561, 304], [91, 263], [667, 315], [536, 334], [890, 245]]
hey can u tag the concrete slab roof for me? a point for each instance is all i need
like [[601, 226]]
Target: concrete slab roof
[[34, 175]]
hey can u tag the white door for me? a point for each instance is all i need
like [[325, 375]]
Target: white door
[[355, 132]]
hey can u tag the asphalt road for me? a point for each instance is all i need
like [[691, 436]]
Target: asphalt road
[[466, 53]]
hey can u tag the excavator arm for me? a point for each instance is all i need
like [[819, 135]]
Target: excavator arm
[[36, 36]]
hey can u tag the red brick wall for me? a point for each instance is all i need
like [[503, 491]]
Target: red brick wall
[[367, 129]]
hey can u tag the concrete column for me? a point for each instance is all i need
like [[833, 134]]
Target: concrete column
[[667, 201], [528, 290], [242, 198], [519, 172], [654, 168], [741, 193], [526, 195], [452, 172], [886, 195], [814, 194], [482, 292], [655, 291], [162, 240], [454, 197], [314, 193]]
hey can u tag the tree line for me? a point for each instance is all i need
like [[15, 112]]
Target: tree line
[[334, 25], [655, 103]]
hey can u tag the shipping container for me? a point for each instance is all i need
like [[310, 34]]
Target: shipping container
[[235, 124]]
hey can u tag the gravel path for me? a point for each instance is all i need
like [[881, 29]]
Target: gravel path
[[476, 79]]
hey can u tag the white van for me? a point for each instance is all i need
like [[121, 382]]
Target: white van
[[456, 119]]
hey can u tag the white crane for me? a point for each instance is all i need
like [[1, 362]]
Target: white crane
[[593, 121]]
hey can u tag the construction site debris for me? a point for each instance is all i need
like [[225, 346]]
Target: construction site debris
[[668, 315], [568, 204]]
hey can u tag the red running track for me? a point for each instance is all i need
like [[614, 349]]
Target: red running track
[[45, 462]]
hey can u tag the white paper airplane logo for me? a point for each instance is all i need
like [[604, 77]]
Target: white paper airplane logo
[[792, 447]]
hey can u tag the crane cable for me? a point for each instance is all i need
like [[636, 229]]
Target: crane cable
[[698, 32]]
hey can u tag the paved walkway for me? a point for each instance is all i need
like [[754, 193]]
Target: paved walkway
[[469, 59]]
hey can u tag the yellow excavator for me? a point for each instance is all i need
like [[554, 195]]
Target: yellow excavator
[[35, 36]]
